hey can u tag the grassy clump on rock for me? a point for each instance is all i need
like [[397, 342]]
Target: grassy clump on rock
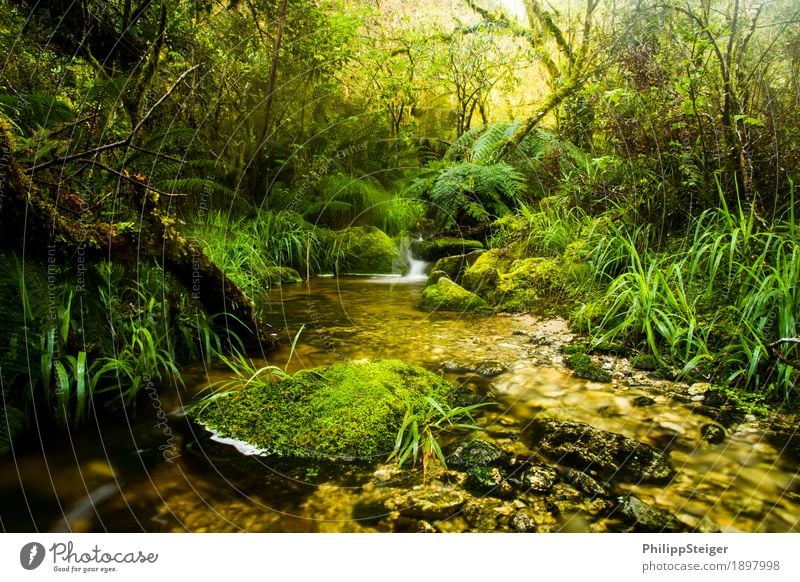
[[348, 411]]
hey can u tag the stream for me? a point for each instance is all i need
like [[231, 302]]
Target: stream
[[158, 477]]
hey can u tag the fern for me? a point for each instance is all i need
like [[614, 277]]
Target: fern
[[470, 192], [487, 147], [12, 423]]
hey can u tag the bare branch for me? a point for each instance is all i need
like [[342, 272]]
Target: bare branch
[[117, 144]]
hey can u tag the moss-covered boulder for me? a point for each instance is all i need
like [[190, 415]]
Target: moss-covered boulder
[[344, 412], [368, 250], [434, 249], [276, 276], [455, 266], [583, 366], [449, 296], [515, 284], [481, 276], [585, 448]]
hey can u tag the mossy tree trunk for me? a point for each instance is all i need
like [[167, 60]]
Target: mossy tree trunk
[[35, 225]]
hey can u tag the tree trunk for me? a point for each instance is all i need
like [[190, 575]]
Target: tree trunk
[[30, 215]]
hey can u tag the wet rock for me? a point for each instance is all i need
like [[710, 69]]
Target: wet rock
[[488, 481], [476, 453], [435, 276], [540, 340], [583, 447], [523, 523], [584, 367], [585, 484], [538, 479], [699, 388], [275, 276], [642, 401], [428, 503], [712, 433], [437, 248], [486, 368], [455, 265], [644, 517]]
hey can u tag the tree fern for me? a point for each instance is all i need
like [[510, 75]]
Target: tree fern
[[489, 144], [472, 193]]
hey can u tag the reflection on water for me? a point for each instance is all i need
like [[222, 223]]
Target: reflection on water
[[116, 478]]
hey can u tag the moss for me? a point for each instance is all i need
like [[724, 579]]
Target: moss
[[513, 284], [369, 250], [584, 367], [435, 249], [455, 265], [532, 282], [277, 275], [481, 277], [645, 362], [349, 411], [449, 296]]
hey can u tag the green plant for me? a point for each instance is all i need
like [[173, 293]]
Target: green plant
[[467, 193], [421, 430]]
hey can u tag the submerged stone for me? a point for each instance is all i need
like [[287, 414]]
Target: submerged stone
[[712, 433], [428, 503], [539, 479], [449, 296], [644, 517], [610, 455], [585, 484], [488, 481], [343, 412], [487, 368]]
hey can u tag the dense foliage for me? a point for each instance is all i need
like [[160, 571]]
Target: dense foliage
[[641, 157]]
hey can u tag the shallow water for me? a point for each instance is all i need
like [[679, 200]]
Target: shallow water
[[145, 477]]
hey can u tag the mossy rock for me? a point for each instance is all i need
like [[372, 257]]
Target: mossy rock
[[584, 367], [645, 363], [476, 453], [434, 249], [529, 283], [369, 251], [455, 266], [609, 455], [344, 412], [483, 275], [279, 275], [449, 296], [434, 277]]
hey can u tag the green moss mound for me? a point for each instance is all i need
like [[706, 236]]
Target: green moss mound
[[435, 249], [584, 367], [448, 296], [513, 284], [368, 250], [454, 266], [344, 412], [279, 275]]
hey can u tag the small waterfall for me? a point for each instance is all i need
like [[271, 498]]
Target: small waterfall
[[417, 270]]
